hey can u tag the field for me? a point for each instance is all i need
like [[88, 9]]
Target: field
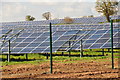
[[37, 66]]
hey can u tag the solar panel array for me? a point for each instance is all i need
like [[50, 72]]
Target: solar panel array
[[84, 20], [35, 37], [94, 38], [33, 41]]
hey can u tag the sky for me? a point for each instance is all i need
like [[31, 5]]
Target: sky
[[16, 10]]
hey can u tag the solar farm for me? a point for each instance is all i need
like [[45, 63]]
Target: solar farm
[[33, 37]]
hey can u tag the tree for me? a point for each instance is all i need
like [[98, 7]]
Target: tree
[[107, 7], [91, 16], [47, 15], [29, 18], [68, 20]]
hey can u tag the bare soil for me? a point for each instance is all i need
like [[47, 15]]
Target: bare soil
[[63, 69]]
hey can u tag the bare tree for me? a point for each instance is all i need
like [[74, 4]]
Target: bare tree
[[68, 20], [107, 7], [47, 15]]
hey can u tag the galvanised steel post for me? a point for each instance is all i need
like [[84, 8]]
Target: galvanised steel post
[[51, 69], [69, 48], [112, 44], [102, 52], [81, 48], [9, 51], [26, 56]]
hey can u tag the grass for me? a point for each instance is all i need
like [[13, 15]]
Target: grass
[[30, 56], [64, 59], [77, 58], [32, 59], [38, 59], [24, 62]]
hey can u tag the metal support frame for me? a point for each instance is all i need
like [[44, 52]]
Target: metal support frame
[[81, 48], [51, 64], [70, 39], [5, 35], [112, 44], [4, 41]]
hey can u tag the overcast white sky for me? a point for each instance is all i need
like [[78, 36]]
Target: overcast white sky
[[16, 10]]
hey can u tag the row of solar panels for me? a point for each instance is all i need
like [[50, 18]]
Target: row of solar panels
[[64, 38], [98, 39], [38, 42], [41, 28], [90, 20]]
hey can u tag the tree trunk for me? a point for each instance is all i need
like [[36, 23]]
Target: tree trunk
[[108, 18]]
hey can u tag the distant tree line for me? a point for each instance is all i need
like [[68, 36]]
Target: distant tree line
[[46, 15], [106, 7]]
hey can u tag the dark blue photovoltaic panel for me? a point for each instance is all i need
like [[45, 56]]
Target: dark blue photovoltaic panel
[[86, 46], [19, 39], [115, 30], [46, 34], [118, 45], [102, 41], [25, 34], [117, 35], [16, 50], [116, 39], [40, 39], [26, 50], [22, 45], [48, 49], [57, 33], [100, 31], [13, 44], [58, 43], [37, 50], [71, 32], [106, 36], [44, 44], [33, 45], [28, 39], [92, 32], [95, 46], [4, 49], [89, 41], [64, 37], [95, 36], [36, 34], [86, 36], [107, 45], [53, 38]]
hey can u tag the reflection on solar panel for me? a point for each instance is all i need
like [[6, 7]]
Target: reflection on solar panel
[[35, 37]]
